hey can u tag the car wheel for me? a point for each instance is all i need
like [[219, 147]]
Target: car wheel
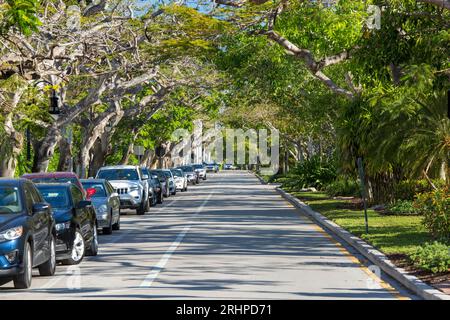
[[116, 226], [174, 192], [108, 229], [160, 198], [93, 249], [48, 268], [78, 250], [204, 178], [23, 281]]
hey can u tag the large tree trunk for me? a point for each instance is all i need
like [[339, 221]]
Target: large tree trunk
[[443, 171], [65, 155], [10, 149], [46, 150]]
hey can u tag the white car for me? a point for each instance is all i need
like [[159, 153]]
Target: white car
[[181, 180], [229, 166], [201, 170], [131, 185]]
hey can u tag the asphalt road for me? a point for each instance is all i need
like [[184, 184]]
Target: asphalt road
[[228, 238]]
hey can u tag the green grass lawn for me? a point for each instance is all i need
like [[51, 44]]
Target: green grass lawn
[[389, 233]]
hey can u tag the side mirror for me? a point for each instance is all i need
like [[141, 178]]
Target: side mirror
[[145, 176], [40, 208], [83, 204]]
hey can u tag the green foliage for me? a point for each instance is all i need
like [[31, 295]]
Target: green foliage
[[343, 187], [433, 257], [402, 207], [311, 173], [21, 14], [435, 208], [407, 189]]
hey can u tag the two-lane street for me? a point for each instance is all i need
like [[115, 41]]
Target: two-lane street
[[229, 237]]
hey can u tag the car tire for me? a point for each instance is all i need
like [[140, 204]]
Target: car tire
[[174, 192], [204, 178], [23, 280], [108, 229], [161, 197], [93, 248], [78, 250], [116, 226], [48, 268], [143, 208]]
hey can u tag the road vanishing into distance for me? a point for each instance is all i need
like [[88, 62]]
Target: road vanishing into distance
[[228, 238]]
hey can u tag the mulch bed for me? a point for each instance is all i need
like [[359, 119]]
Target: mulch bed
[[440, 281]]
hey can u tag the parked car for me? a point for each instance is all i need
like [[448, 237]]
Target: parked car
[[106, 203], [57, 177], [75, 221], [201, 170], [228, 166], [171, 179], [191, 174], [181, 182], [211, 167], [155, 188], [163, 180], [131, 185], [27, 233]]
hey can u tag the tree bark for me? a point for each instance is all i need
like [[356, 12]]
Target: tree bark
[[10, 149], [65, 155], [47, 149]]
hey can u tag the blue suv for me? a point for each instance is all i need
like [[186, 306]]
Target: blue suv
[[27, 233]]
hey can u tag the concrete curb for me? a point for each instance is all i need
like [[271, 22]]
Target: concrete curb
[[413, 283]]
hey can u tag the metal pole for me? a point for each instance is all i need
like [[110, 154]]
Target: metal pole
[[28, 133], [363, 191]]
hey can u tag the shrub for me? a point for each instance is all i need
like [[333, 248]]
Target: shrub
[[311, 173], [343, 187], [434, 257], [402, 207], [435, 208], [407, 189]]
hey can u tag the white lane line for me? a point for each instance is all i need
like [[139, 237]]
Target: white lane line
[[148, 281]]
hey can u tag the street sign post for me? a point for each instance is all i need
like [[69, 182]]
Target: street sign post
[[363, 191]]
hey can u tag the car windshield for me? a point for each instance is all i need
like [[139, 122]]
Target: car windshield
[[57, 197], [198, 166], [177, 173], [54, 180], [167, 174], [10, 200], [187, 168], [100, 191], [160, 174], [118, 174]]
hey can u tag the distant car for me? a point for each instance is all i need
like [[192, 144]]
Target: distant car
[[76, 229], [172, 186], [27, 233], [191, 175], [201, 170], [106, 203], [163, 180], [181, 181], [228, 166], [155, 188], [56, 177], [131, 185], [211, 167]]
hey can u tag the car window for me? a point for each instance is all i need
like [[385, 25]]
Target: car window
[[98, 186], [54, 180], [37, 198], [29, 201], [77, 195], [118, 174], [57, 197], [177, 173], [10, 200], [109, 188]]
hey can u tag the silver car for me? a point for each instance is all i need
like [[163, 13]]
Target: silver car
[[191, 175], [106, 203], [201, 170], [181, 181], [131, 185], [172, 186]]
